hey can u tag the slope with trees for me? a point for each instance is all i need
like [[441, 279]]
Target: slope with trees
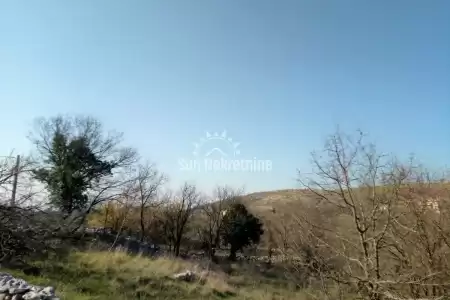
[[365, 223]]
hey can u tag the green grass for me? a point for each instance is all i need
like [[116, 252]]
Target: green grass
[[116, 275]]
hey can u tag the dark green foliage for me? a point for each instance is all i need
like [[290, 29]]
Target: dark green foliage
[[240, 229], [75, 156], [73, 167]]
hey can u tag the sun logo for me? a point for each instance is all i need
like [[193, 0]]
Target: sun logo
[[216, 144]]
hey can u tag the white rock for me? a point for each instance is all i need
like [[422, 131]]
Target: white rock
[[185, 276], [31, 296], [16, 289], [49, 290]]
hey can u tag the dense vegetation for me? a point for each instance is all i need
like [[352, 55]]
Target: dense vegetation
[[365, 225]]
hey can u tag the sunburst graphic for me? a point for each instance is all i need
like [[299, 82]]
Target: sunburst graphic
[[216, 144]]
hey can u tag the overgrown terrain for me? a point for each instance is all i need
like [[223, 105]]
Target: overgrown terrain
[[116, 275], [364, 225]]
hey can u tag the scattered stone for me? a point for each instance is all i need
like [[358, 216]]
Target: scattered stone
[[17, 289], [187, 276]]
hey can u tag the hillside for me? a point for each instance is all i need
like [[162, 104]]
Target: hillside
[[262, 203]]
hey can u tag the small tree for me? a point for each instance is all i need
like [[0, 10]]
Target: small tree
[[144, 189], [177, 214], [213, 215], [240, 229]]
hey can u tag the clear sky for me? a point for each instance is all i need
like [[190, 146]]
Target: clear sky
[[278, 76]]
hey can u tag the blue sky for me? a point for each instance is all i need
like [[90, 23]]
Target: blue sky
[[278, 76]]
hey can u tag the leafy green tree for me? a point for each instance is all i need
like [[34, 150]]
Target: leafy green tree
[[240, 229], [75, 157]]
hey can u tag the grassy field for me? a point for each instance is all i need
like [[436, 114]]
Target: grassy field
[[116, 275]]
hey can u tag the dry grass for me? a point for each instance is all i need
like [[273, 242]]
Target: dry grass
[[116, 275], [163, 268]]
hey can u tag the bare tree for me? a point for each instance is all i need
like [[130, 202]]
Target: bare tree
[[118, 212], [280, 233], [423, 260], [124, 210], [145, 188], [372, 196], [177, 213], [25, 187]]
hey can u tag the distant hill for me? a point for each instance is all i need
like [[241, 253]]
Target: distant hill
[[263, 202]]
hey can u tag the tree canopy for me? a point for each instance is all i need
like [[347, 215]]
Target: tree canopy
[[240, 229], [75, 155]]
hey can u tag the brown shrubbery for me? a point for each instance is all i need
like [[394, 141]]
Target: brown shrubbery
[[379, 228]]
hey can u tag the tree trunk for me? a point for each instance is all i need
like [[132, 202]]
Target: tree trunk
[[177, 245], [232, 255], [212, 253], [105, 223], [177, 250], [217, 240], [142, 224]]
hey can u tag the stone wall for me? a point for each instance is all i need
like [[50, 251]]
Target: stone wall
[[16, 289]]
